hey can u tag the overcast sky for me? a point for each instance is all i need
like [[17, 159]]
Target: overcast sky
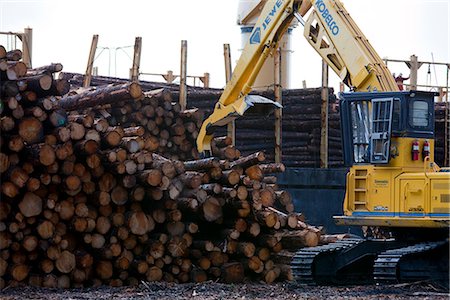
[[62, 32]]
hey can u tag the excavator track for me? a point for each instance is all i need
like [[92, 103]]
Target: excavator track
[[412, 263], [302, 264]]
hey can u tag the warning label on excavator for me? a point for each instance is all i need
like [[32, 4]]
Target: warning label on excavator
[[381, 183]]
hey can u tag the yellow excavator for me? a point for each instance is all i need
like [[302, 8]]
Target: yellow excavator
[[393, 184]]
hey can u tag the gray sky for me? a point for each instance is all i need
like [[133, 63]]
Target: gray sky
[[62, 32]]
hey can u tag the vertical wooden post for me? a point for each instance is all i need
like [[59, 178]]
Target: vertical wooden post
[[169, 77], [90, 64], [446, 82], [441, 94], [447, 134], [136, 59], [304, 84], [447, 124], [27, 46], [205, 80], [231, 127], [413, 72], [324, 118], [227, 57], [278, 112], [183, 74]]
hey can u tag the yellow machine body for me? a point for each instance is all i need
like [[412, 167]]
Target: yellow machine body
[[405, 193]]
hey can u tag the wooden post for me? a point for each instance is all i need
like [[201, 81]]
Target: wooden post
[[205, 79], [90, 64], [304, 84], [183, 72], [27, 46], [414, 67], [169, 77], [231, 127], [324, 118], [278, 98], [447, 123], [441, 94], [446, 83], [447, 133], [136, 59]]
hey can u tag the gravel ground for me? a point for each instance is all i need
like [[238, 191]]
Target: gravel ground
[[212, 290]]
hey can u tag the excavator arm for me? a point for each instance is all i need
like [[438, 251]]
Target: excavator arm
[[234, 101], [332, 33], [335, 36]]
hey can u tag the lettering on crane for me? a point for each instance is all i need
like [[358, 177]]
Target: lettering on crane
[[327, 17], [255, 38], [274, 10]]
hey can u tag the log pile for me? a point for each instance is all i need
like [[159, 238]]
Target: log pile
[[440, 109], [301, 123], [300, 126], [105, 190]]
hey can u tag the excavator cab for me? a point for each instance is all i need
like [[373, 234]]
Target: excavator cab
[[373, 124]]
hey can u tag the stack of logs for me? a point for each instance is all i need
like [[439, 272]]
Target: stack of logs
[[301, 123], [301, 130], [441, 110], [94, 191]]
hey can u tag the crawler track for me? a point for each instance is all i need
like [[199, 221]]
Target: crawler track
[[303, 263], [359, 261], [416, 262]]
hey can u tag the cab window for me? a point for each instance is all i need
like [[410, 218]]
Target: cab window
[[418, 114], [396, 115]]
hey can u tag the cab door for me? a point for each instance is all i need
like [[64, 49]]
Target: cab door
[[380, 137]]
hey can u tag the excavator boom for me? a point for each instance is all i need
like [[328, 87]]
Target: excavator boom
[[332, 33]]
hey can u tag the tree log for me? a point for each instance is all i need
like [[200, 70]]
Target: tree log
[[102, 95]]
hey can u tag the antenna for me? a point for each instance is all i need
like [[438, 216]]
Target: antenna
[[434, 69]]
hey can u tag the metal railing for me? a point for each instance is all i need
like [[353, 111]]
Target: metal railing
[[26, 38], [169, 77]]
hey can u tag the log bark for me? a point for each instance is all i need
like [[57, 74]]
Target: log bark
[[201, 164], [66, 262], [31, 205], [52, 68], [232, 272], [31, 130], [212, 209], [249, 160], [104, 95], [300, 238]]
